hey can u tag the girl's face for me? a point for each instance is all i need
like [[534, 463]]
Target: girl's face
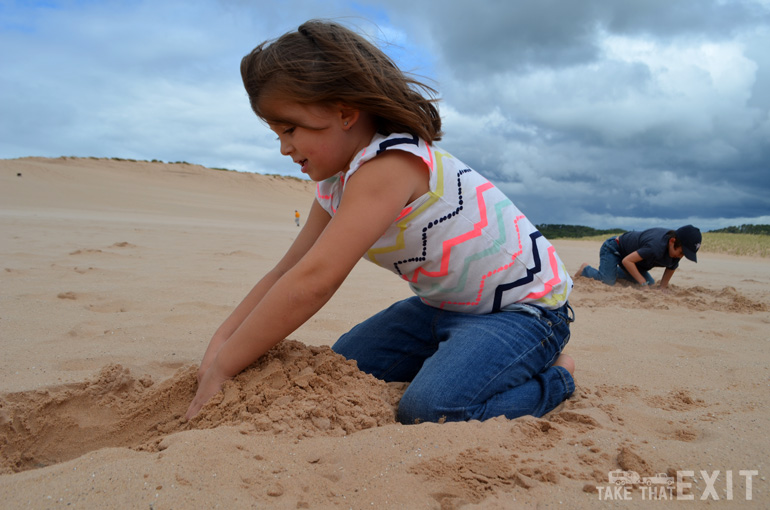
[[316, 137]]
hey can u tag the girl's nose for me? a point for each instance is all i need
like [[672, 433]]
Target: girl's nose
[[286, 148]]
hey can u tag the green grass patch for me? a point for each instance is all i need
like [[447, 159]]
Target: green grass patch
[[746, 245]]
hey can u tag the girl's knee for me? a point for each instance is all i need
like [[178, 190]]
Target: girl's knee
[[423, 406], [342, 346], [413, 414]]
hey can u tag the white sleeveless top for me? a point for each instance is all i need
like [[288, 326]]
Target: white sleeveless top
[[463, 246]]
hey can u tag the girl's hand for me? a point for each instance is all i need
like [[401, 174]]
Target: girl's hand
[[203, 368], [211, 352], [209, 385]]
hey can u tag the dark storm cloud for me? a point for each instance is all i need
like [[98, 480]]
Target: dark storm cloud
[[500, 35], [618, 113]]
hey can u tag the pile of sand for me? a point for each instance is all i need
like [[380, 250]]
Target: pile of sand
[[294, 389], [303, 391]]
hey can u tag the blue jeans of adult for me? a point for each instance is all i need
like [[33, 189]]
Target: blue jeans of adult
[[465, 366], [611, 266]]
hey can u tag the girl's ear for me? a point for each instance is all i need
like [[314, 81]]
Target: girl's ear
[[348, 116]]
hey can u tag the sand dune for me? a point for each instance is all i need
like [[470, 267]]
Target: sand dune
[[115, 274]]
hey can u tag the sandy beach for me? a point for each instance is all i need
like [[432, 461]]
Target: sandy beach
[[115, 274]]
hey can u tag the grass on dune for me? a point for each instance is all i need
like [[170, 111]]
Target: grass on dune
[[748, 245]]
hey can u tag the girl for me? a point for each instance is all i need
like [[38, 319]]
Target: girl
[[483, 336]]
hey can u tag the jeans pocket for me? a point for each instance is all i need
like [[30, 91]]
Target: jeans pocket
[[559, 326]]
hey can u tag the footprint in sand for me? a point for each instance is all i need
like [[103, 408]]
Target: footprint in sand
[[109, 307], [85, 251], [93, 251], [675, 400], [99, 306]]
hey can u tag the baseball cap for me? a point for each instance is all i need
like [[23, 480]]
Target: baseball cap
[[690, 237]]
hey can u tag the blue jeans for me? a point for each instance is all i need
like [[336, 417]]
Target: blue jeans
[[611, 266], [465, 366]]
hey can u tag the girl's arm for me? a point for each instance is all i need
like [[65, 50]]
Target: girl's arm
[[373, 199], [315, 224]]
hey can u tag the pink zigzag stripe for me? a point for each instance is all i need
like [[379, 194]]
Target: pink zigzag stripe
[[449, 243], [429, 161], [318, 192], [553, 281], [405, 211], [494, 271], [328, 197]]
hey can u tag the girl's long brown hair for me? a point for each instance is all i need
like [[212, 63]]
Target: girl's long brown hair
[[324, 62]]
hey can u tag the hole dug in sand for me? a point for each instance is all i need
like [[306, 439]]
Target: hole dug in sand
[[293, 389]]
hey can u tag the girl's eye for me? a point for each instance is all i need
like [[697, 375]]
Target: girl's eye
[[286, 131]]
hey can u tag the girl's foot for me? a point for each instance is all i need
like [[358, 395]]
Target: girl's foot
[[580, 271], [566, 362]]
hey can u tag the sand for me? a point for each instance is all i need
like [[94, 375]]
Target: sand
[[116, 273]]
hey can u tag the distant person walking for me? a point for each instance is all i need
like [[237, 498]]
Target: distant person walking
[[296, 217], [630, 256]]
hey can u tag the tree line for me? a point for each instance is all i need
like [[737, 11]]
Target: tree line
[[552, 231], [762, 230]]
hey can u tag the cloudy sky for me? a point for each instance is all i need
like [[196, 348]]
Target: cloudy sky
[[606, 113]]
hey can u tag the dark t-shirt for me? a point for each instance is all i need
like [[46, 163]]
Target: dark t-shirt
[[652, 245]]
